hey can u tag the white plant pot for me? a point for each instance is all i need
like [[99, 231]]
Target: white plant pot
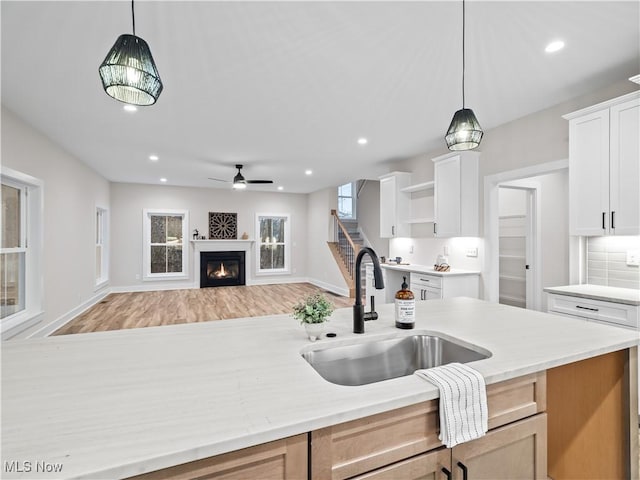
[[314, 330]]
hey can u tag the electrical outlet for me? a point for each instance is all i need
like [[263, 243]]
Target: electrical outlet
[[472, 252], [633, 258], [410, 248]]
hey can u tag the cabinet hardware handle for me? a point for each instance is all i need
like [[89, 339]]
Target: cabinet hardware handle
[[587, 308], [447, 473], [425, 279], [393, 231], [604, 214], [465, 470], [435, 231], [613, 220]]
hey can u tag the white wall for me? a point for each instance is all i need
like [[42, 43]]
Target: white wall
[[369, 217], [322, 269], [129, 200], [71, 193]]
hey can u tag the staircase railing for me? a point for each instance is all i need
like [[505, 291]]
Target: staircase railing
[[347, 249]]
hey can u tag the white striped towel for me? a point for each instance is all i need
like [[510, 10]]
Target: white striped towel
[[463, 402]]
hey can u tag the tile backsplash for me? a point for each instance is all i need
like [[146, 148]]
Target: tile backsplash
[[607, 261]]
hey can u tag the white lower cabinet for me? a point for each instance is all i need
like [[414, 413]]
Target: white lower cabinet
[[428, 287]]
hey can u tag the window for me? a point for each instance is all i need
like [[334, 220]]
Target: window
[[273, 243], [20, 249], [102, 248], [13, 248], [346, 201], [165, 255]]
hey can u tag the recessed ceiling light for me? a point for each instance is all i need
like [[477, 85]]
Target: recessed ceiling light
[[154, 158], [554, 46], [130, 108], [163, 180], [308, 172], [362, 141], [280, 187]]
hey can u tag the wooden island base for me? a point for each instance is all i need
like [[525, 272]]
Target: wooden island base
[[592, 418]]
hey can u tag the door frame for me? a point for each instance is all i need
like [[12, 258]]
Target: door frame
[[532, 240], [491, 274]]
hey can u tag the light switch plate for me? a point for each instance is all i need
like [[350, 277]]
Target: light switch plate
[[633, 258], [472, 252]]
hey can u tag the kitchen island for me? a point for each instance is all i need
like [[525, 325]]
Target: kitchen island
[[121, 403]]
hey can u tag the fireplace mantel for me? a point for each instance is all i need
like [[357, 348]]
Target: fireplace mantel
[[221, 246]]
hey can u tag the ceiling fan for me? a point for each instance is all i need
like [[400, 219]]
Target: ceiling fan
[[239, 181]]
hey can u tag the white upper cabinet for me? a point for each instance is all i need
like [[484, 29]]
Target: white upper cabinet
[[604, 168], [395, 206], [455, 201]]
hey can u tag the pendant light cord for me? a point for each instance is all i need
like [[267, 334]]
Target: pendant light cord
[[463, 64], [133, 18]]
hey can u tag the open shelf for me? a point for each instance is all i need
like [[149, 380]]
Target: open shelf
[[418, 187]]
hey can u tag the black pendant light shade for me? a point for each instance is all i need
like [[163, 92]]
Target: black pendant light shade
[[464, 131], [129, 73]]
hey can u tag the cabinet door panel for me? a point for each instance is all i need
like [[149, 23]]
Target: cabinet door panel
[[624, 195], [387, 207], [446, 203], [517, 451], [422, 467], [589, 174]]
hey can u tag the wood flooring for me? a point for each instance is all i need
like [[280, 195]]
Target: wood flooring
[[168, 307]]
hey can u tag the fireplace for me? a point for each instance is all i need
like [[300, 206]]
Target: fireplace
[[220, 269]]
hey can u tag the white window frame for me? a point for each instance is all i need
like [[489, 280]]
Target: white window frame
[[32, 244], [147, 213], [102, 241], [352, 197], [287, 245]]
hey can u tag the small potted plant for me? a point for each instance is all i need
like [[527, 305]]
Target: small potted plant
[[312, 312]]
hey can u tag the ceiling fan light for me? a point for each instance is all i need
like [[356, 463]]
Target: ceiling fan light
[[238, 181], [129, 73], [239, 185], [464, 131]]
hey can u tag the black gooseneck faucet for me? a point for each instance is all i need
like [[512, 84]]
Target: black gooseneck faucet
[[358, 309]]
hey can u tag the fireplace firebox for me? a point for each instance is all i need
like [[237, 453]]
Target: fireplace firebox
[[221, 269]]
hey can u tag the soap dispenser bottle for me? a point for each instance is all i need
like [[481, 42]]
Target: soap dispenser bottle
[[405, 307]]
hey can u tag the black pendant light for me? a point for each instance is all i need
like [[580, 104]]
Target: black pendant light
[[129, 73], [464, 131]]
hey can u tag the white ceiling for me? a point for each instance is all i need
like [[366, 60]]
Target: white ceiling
[[286, 86]]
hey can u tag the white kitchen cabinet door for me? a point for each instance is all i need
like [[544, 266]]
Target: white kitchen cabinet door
[[395, 205], [589, 174], [624, 172], [455, 201], [604, 168]]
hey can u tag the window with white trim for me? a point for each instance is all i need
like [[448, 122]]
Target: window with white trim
[[20, 249], [272, 246], [165, 254], [346, 201], [102, 247]]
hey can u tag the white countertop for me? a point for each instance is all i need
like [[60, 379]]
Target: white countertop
[[626, 296], [115, 404], [427, 269]]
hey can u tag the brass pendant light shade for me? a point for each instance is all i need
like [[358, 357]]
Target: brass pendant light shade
[[129, 73], [464, 131]]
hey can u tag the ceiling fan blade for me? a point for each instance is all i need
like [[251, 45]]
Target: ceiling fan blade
[[259, 181], [218, 180]]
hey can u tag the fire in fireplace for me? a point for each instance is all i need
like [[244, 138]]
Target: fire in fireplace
[[219, 269]]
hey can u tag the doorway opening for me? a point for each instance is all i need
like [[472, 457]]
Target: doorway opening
[[517, 217]]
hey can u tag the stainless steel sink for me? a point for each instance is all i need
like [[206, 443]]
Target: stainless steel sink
[[376, 360]]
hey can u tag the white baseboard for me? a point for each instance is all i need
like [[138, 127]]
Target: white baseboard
[[153, 287], [275, 280], [327, 286], [48, 329]]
